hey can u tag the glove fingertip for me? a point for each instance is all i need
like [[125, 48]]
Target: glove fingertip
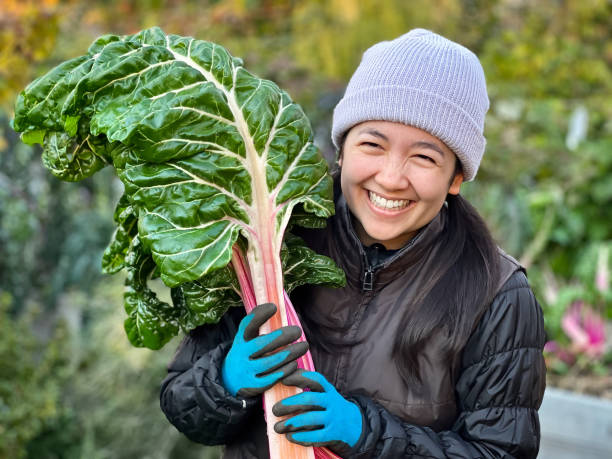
[[265, 310], [295, 378], [260, 315], [289, 369], [301, 348], [304, 379], [279, 427], [278, 409], [292, 438], [291, 333]]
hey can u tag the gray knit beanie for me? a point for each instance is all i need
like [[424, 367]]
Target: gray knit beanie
[[423, 80]]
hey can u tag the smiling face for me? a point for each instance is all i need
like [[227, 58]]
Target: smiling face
[[395, 179]]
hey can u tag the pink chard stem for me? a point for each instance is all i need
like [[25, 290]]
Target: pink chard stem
[[248, 298]]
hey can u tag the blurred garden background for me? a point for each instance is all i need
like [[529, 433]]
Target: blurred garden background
[[71, 385]]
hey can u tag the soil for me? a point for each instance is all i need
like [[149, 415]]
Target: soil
[[589, 384]]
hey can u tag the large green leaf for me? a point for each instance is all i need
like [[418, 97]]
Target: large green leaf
[[208, 154]]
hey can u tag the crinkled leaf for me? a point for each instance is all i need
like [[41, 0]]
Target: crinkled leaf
[[70, 151], [33, 137], [206, 300], [300, 217], [39, 106], [151, 322], [74, 158], [302, 265], [113, 259]]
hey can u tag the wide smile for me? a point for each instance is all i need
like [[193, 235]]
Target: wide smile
[[388, 206]]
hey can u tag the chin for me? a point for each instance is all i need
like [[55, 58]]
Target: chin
[[387, 238]]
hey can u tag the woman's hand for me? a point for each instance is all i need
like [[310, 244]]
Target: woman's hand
[[255, 363], [319, 417]]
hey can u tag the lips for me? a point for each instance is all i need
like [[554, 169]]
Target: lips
[[387, 204]]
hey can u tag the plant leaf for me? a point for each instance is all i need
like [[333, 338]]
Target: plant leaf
[[150, 323], [209, 155], [302, 265], [206, 300], [113, 259]]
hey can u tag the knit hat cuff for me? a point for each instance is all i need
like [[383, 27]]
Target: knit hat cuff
[[422, 109]]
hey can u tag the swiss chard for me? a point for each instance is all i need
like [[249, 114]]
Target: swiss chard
[[214, 161]]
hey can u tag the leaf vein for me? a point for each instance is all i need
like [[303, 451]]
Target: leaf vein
[[203, 113], [230, 195]]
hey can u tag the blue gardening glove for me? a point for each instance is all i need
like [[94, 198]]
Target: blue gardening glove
[[255, 363], [321, 417]]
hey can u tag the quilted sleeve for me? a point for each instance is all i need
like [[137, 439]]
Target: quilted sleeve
[[193, 397]]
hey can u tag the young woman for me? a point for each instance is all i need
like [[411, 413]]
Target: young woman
[[434, 346]]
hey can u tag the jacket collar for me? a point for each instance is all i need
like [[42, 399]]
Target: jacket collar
[[353, 257]]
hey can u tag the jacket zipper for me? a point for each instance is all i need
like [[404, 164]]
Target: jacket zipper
[[368, 279], [369, 275]]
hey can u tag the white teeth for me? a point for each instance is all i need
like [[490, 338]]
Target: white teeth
[[383, 203]]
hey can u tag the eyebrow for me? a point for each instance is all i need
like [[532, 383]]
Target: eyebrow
[[418, 144], [374, 132]]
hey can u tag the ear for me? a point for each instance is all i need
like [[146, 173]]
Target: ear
[[456, 184]]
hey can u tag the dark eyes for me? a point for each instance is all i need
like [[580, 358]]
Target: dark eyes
[[426, 158], [378, 146]]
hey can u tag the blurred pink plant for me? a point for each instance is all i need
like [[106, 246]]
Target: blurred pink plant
[[586, 330], [584, 326]]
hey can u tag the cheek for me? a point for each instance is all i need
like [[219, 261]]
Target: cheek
[[348, 182], [428, 185], [355, 170], [352, 180]]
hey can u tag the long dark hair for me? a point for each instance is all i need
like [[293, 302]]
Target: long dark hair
[[461, 283]]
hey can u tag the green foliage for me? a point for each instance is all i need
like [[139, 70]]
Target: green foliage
[[87, 394], [51, 234], [544, 182], [544, 51], [31, 374]]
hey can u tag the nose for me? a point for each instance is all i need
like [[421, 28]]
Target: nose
[[392, 175]]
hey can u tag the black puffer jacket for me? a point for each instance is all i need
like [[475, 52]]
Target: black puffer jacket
[[485, 405]]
